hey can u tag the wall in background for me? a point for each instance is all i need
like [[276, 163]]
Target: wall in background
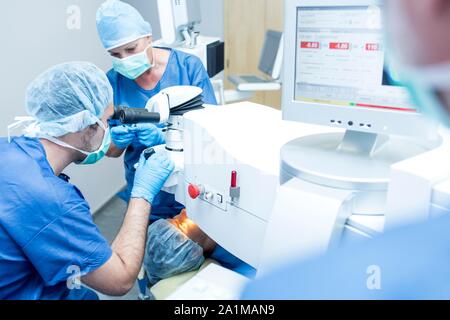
[[246, 23], [212, 16], [35, 36]]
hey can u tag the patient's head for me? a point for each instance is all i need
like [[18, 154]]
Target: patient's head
[[193, 232], [175, 246]]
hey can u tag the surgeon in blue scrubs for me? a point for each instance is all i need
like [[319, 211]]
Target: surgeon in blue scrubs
[[139, 72], [412, 262], [50, 247]]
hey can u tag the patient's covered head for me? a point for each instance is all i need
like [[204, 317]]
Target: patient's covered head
[[170, 251]]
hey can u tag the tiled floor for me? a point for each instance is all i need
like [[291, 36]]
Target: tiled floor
[[109, 220]]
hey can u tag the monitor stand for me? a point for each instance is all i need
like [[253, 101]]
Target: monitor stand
[[353, 161]]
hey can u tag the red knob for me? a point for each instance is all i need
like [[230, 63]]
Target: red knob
[[194, 191], [233, 179]]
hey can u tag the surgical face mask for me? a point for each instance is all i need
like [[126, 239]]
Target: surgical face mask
[[133, 66], [91, 157]]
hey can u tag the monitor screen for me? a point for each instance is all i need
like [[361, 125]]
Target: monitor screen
[[340, 60], [270, 52]]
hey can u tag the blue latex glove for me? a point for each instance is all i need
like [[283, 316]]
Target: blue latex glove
[[151, 175], [149, 135], [122, 136]]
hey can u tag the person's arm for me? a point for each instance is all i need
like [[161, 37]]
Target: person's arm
[[114, 152], [117, 276]]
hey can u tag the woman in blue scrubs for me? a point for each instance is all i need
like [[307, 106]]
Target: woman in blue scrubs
[[140, 72]]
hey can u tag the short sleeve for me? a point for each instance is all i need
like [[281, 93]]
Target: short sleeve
[[200, 78], [113, 78], [71, 242]]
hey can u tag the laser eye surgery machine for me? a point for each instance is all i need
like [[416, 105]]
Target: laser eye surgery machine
[[348, 157]]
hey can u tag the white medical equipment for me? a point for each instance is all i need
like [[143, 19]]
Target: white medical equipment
[[166, 108], [178, 21], [359, 157], [221, 140], [336, 75], [212, 283], [173, 103], [419, 188]]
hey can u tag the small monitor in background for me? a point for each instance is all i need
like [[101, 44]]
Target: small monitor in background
[[268, 63]]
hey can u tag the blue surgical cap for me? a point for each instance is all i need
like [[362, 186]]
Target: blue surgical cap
[[119, 23], [170, 252], [68, 98]]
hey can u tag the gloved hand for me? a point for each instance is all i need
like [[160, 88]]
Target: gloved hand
[[122, 136], [149, 135], [151, 175]]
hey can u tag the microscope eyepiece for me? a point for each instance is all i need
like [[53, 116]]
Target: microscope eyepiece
[[136, 115]]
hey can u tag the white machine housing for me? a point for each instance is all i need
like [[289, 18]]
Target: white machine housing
[[247, 138], [178, 19], [420, 187], [219, 140]]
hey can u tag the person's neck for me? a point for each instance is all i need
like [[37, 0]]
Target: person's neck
[[147, 81], [58, 157], [150, 78]]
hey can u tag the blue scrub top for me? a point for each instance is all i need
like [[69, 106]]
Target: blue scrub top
[[45, 228], [182, 69], [407, 264]]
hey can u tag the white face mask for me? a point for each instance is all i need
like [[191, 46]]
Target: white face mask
[[134, 66], [33, 130], [91, 157]]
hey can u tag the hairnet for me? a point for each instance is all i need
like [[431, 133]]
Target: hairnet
[[68, 98], [170, 252], [119, 23]]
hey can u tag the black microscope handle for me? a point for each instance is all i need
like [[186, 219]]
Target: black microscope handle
[[136, 115]]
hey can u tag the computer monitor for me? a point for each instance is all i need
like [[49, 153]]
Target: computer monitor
[[336, 72], [271, 59]]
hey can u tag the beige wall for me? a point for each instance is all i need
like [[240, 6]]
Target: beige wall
[[246, 23]]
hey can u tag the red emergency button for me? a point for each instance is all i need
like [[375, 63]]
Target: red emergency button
[[194, 191]]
